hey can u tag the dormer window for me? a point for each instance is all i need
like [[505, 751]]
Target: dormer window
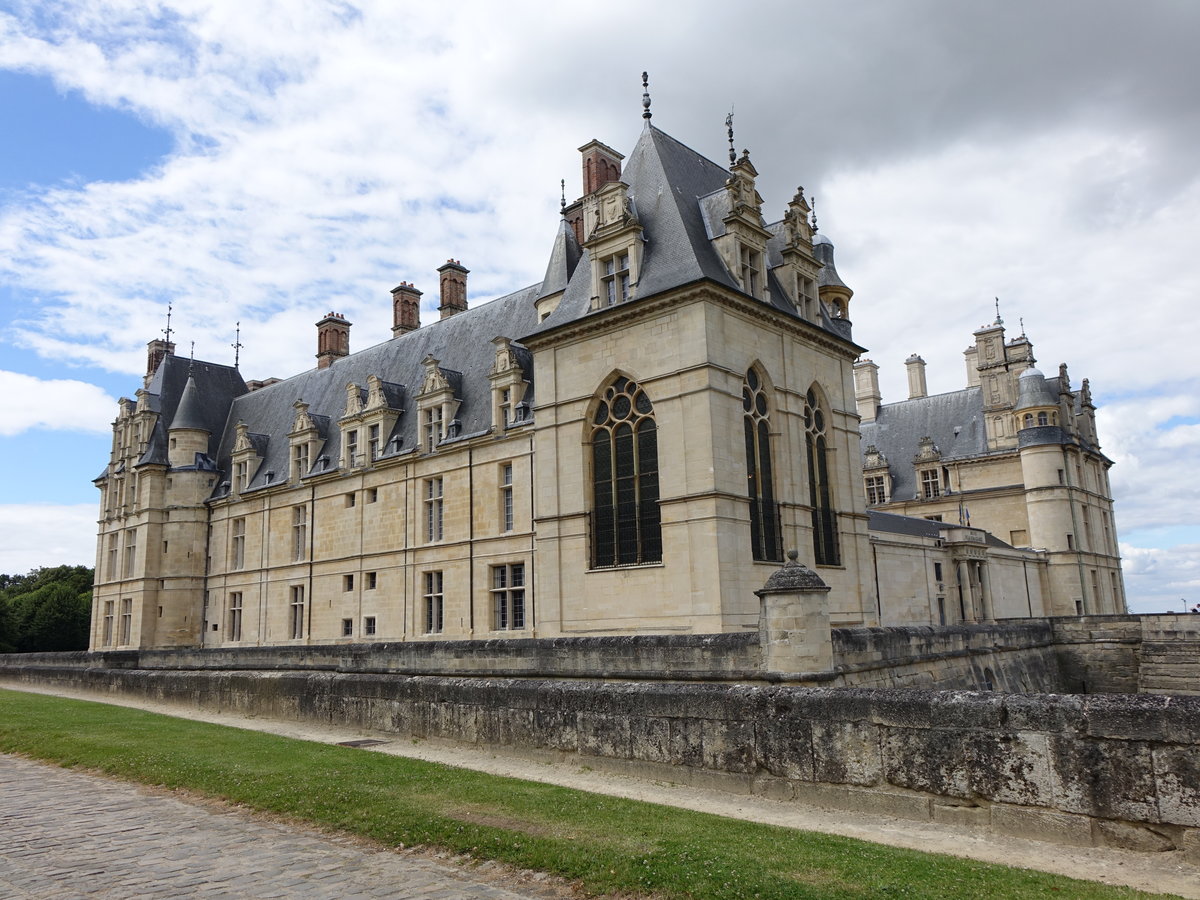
[[241, 475], [751, 263], [505, 408], [931, 485], [373, 445], [433, 427], [616, 278], [352, 459], [300, 464]]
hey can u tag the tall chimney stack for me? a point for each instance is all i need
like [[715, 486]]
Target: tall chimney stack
[[333, 339], [406, 309], [866, 389], [601, 164], [454, 288], [916, 377], [156, 350]]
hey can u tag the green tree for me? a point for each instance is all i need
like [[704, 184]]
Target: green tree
[[47, 609]]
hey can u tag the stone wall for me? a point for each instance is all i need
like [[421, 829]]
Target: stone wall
[[1104, 770], [1169, 662], [1157, 654]]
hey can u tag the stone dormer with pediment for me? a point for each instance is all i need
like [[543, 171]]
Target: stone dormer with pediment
[[743, 246], [614, 244], [246, 457], [799, 273], [437, 405], [877, 477], [369, 421], [304, 442], [508, 387]]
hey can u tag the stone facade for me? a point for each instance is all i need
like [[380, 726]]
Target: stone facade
[[625, 448]]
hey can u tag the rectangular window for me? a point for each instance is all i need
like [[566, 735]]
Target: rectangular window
[[113, 553], [505, 407], [372, 443], [126, 621], [1070, 542], [506, 497], [435, 603], [1097, 599], [299, 532], [350, 500], [1062, 478], [372, 494], [616, 279], [930, 485], [508, 596], [875, 490], [372, 580], [937, 571], [751, 261], [347, 627], [237, 544], [130, 552], [352, 459], [241, 476], [297, 611], [300, 464], [235, 616], [369, 625], [433, 509], [108, 624], [1108, 547], [347, 582], [432, 427]]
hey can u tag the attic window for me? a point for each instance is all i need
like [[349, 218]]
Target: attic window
[[751, 262], [616, 279], [930, 484]]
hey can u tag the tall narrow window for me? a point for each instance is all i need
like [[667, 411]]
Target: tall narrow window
[[508, 596], [435, 603], [751, 262], [764, 512], [300, 464], [433, 509], [108, 624], [241, 475], [237, 544], [235, 616], [505, 407], [130, 552], [372, 443], [352, 459], [626, 524], [112, 556], [297, 611], [824, 519], [299, 532], [506, 497], [126, 621], [433, 428], [876, 490], [930, 486]]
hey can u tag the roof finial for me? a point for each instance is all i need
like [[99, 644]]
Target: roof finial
[[1022, 321], [237, 344], [999, 321], [192, 360], [562, 202], [646, 96], [729, 131], [812, 202], [167, 330]]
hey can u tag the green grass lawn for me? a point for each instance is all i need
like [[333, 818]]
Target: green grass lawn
[[605, 843]]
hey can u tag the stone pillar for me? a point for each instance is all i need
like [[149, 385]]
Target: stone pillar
[[967, 601], [985, 592], [793, 622]]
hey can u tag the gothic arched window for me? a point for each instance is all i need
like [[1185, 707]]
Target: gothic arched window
[[824, 519], [764, 513], [626, 526]]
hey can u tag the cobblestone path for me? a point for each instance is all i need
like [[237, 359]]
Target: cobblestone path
[[67, 834]]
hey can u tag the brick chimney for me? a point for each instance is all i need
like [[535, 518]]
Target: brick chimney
[[333, 339], [601, 164], [454, 288], [156, 350], [406, 309]]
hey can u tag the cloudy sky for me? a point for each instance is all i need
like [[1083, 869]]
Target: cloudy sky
[[265, 162]]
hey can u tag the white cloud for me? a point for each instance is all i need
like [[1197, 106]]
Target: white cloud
[[61, 404], [1162, 579], [33, 535]]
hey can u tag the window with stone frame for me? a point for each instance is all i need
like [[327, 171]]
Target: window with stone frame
[[626, 524], [876, 490], [435, 603], [300, 460], [296, 610], [352, 459], [368, 626], [235, 616], [826, 549], [130, 552], [931, 485], [107, 639], [374, 447], [113, 553], [505, 407], [299, 532], [237, 544], [241, 475], [126, 622], [508, 597], [434, 508], [750, 261], [615, 280], [433, 427], [506, 497], [765, 538]]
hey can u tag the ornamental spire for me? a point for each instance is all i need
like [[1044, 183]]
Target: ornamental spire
[[646, 97], [729, 131]]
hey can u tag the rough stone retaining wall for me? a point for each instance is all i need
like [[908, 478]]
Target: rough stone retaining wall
[[1157, 654], [1100, 770]]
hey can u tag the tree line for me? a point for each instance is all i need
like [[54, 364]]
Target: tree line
[[47, 609]]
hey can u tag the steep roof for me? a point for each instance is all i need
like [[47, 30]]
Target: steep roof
[[213, 388]]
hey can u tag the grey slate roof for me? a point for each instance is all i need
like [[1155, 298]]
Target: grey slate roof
[[891, 523], [462, 343], [1032, 390], [214, 388], [563, 260], [953, 420]]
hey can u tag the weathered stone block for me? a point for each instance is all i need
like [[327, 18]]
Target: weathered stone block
[[934, 761], [1177, 784], [1106, 779], [847, 753], [1042, 825], [1010, 767], [728, 746], [1124, 836], [784, 747]]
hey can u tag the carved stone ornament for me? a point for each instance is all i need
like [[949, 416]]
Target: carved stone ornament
[[242, 439], [874, 458], [353, 399], [375, 395], [303, 421], [927, 451], [506, 360], [434, 381], [793, 578]]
